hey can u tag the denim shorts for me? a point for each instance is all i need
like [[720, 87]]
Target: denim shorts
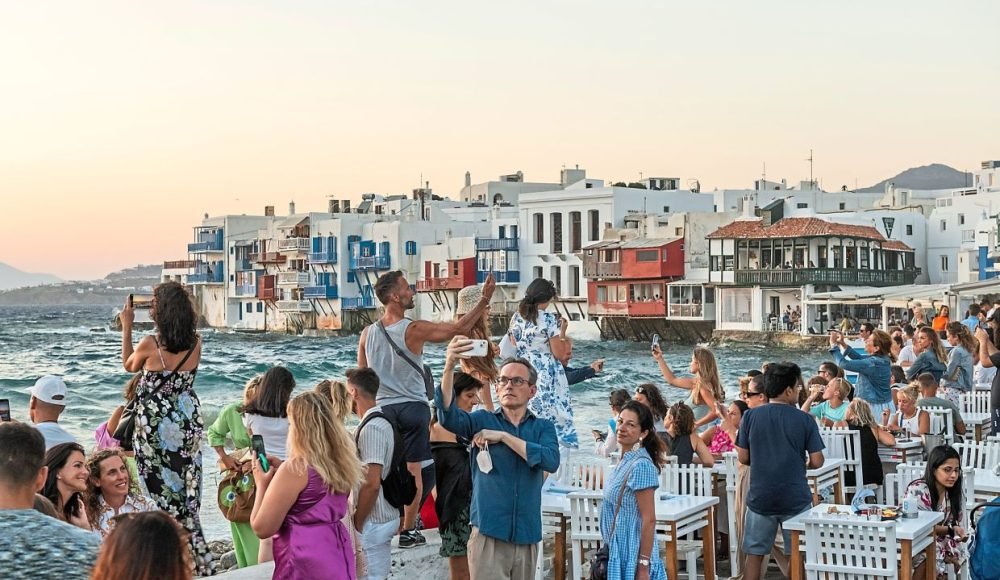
[[759, 532], [412, 420]]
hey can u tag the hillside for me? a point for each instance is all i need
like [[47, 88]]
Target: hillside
[[933, 176], [11, 277], [110, 290]]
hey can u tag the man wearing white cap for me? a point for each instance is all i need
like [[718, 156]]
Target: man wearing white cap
[[48, 401]]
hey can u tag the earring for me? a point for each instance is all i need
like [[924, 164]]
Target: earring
[[637, 446]]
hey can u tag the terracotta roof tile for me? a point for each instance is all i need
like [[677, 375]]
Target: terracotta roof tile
[[801, 228]]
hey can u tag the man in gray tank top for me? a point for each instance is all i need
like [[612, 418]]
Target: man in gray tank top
[[393, 347]]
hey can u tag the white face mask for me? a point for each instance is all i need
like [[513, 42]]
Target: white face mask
[[484, 460]]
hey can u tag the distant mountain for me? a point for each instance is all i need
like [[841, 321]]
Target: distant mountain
[[11, 277], [933, 176]]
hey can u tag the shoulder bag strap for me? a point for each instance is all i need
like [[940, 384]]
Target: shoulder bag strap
[[176, 369], [618, 505], [399, 352]]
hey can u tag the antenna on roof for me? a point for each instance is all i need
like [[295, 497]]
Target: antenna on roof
[[810, 160]]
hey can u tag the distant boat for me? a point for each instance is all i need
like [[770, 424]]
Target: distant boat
[[143, 321]]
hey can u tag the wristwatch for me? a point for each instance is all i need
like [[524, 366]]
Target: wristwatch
[[644, 562]]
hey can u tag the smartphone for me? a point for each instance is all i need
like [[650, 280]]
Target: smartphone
[[131, 300], [257, 442], [599, 435], [656, 342], [4, 410], [479, 347]]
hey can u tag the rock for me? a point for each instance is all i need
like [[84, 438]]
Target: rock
[[228, 560]]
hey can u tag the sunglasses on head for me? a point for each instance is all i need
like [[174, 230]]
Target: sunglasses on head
[[640, 391]]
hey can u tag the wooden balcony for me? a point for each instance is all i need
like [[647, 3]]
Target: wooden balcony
[[836, 276], [268, 258], [594, 269]]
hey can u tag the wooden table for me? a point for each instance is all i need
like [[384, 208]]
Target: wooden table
[[977, 421], [912, 537], [679, 515]]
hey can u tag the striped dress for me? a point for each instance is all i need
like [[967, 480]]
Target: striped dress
[[623, 548]]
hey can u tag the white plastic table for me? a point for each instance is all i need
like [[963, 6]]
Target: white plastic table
[[912, 537], [830, 474], [679, 515], [901, 451], [986, 483]]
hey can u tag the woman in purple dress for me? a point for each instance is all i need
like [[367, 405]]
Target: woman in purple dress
[[300, 502]]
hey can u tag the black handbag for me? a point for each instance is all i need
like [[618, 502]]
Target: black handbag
[[125, 432], [599, 563]]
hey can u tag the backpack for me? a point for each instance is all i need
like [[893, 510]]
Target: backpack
[[398, 485], [984, 547], [236, 493]]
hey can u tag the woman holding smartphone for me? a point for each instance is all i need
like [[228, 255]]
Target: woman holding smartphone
[[168, 446]]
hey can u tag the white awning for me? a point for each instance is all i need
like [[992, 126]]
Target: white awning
[[991, 286], [895, 295]]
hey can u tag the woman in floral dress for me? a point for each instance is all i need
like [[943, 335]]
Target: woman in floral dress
[[940, 489], [534, 334], [168, 424]]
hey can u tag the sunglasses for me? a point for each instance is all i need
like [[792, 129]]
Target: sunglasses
[[640, 391], [752, 394]]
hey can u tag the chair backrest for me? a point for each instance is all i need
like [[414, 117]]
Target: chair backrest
[[850, 549], [843, 443], [585, 515], [588, 473], [942, 423], [905, 474], [732, 464], [978, 454], [974, 402], [690, 479]]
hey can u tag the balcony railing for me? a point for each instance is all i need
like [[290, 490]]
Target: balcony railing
[[369, 262], [205, 278], [244, 265], [594, 269], [328, 257], [294, 306], [361, 302], [246, 290], [500, 276], [180, 264], [431, 284], [294, 245], [486, 244], [320, 292], [293, 278], [204, 247], [269, 258], [801, 276]]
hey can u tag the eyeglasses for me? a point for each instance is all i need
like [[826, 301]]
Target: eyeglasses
[[516, 381], [752, 394]]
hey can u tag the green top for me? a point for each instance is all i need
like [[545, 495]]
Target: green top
[[825, 411], [230, 422]]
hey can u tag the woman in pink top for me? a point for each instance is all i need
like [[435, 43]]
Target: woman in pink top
[[721, 438], [300, 502]]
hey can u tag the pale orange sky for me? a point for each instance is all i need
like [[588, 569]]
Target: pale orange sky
[[121, 123]]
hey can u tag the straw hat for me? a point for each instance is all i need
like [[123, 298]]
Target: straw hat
[[468, 298]]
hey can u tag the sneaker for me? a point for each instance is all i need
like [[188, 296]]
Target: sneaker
[[411, 539]]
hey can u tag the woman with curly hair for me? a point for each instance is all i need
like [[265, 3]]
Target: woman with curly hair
[[111, 492], [649, 394], [482, 368], [168, 423], [706, 387]]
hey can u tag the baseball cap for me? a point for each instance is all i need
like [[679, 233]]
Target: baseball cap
[[49, 389]]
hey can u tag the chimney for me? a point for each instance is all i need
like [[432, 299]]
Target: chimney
[[268, 211], [334, 205], [291, 208], [468, 179]]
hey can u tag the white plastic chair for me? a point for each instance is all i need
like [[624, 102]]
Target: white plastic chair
[[850, 549], [843, 443], [974, 402], [942, 423], [732, 467], [979, 454], [584, 526], [690, 479], [588, 474]]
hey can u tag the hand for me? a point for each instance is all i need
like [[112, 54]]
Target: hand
[[228, 462], [488, 287], [81, 521], [835, 338], [981, 334], [815, 390], [457, 346], [597, 365], [657, 352], [488, 436], [563, 325], [263, 479], [127, 315], [885, 416], [642, 573], [960, 533]]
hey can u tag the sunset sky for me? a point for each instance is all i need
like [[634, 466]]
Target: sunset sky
[[123, 122]]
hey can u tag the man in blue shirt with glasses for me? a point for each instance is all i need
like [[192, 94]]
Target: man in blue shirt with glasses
[[512, 450]]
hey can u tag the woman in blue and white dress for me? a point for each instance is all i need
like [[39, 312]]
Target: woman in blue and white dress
[[535, 334], [628, 528]]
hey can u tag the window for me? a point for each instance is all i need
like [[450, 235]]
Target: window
[[502, 232], [539, 224], [713, 263], [842, 206], [909, 230], [727, 263], [602, 293], [666, 209], [513, 232], [647, 255], [555, 275], [944, 263], [594, 217], [961, 219], [574, 280], [806, 205], [350, 277], [260, 307], [575, 232], [249, 307], [678, 232], [411, 248], [536, 272], [944, 225], [555, 219], [454, 268]]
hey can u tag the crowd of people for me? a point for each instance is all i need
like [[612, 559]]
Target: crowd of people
[[304, 492]]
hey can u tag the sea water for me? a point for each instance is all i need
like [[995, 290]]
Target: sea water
[[74, 342]]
